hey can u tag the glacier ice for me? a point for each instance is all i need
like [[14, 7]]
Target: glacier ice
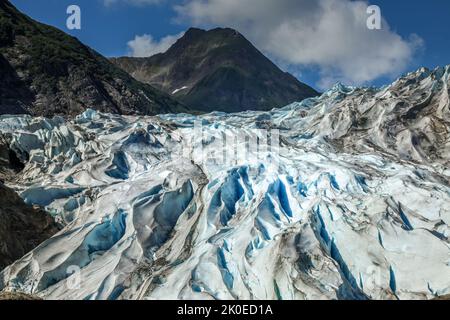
[[357, 205]]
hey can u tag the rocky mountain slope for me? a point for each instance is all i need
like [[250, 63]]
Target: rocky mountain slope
[[348, 198], [46, 72], [22, 227], [218, 70]]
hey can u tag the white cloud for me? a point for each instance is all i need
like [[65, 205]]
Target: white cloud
[[329, 34], [146, 46]]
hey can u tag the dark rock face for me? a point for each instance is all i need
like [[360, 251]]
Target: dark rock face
[[22, 228], [10, 164], [46, 72], [218, 70]]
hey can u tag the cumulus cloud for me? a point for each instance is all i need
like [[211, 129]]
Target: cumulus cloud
[[146, 46], [331, 35]]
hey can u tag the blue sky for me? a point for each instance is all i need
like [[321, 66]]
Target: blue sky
[[303, 38]]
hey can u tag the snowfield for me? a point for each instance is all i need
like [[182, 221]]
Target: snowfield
[[344, 196]]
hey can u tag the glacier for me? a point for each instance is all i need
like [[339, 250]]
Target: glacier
[[343, 196]]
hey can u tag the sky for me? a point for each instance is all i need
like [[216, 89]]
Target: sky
[[321, 42]]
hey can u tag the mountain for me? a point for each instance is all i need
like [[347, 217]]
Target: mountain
[[346, 199], [218, 70], [46, 72]]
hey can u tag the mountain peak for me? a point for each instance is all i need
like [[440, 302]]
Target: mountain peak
[[192, 31], [217, 30], [205, 40]]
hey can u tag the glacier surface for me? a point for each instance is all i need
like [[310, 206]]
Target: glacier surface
[[349, 198]]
